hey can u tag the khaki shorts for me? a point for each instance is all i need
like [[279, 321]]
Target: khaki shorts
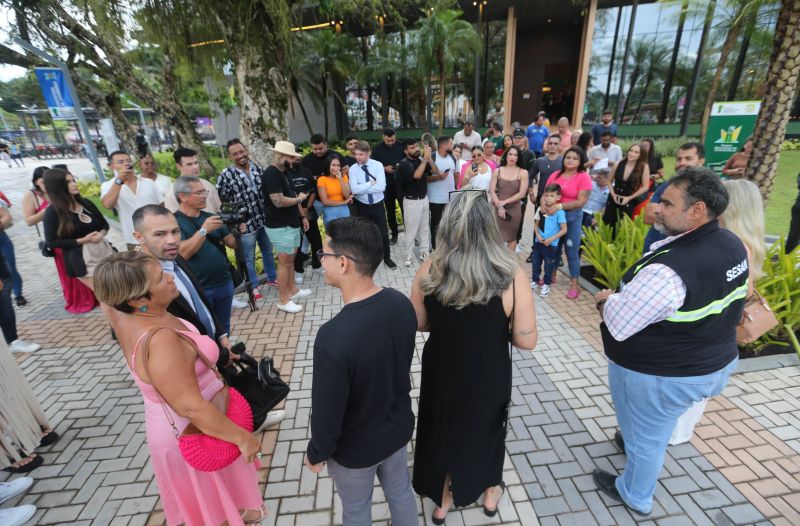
[[284, 240]]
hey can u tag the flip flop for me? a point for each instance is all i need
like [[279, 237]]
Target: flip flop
[[49, 439], [35, 462]]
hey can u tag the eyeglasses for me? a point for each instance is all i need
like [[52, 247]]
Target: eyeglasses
[[321, 255]]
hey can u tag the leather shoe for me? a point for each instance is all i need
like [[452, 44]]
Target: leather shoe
[[606, 483], [619, 441]]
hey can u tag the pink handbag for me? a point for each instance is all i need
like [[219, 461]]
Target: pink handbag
[[201, 451], [757, 319]]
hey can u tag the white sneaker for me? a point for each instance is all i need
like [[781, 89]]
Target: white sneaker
[[20, 346], [238, 304], [518, 250], [545, 291], [291, 307], [407, 261], [14, 488], [273, 417], [302, 293], [298, 277], [534, 285], [18, 515]]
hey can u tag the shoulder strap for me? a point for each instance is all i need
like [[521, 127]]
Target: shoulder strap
[[36, 225]]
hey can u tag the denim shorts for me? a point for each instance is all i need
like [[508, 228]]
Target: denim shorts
[[284, 240]]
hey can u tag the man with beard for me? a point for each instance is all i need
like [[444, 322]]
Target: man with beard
[[440, 186], [389, 152], [412, 180]]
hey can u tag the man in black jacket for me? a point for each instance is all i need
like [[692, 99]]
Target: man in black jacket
[[158, 234]]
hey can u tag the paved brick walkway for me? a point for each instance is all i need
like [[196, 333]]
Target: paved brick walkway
[[742, 467]]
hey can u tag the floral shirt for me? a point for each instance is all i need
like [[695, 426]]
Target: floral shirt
[[243, 190]]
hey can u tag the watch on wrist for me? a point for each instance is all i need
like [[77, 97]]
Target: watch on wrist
[[202, 232], [118, 181]]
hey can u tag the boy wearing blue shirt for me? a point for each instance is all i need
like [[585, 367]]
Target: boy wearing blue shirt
[[547, 231]]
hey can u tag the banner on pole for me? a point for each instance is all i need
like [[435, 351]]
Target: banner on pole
[[730, 125], [55, 93]]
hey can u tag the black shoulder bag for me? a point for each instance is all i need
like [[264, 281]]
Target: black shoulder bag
[[259, 383], [43, 248]]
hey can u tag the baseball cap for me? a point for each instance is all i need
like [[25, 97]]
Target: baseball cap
[[519, 132]]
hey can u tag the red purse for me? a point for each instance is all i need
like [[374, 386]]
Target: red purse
[[201, 451]]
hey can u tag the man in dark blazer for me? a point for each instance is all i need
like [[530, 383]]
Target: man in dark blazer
[[158, 234]]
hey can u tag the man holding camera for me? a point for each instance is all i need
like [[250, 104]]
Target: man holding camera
[[240, 185], [202, 247], [412, 180]]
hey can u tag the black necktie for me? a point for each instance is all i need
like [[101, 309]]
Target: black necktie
[[366, 180]]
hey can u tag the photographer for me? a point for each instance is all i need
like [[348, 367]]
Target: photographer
[[240, 185], [203, 235]]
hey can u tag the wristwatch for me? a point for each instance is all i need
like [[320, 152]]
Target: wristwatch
[[118, 181], [202, 232]]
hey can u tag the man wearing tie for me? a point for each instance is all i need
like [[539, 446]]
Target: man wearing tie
[[368, 183], [158, 234]]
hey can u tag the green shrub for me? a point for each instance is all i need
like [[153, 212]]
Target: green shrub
[[665, 146], [89, 189], [780, 286], [791, 145], [612, 256]]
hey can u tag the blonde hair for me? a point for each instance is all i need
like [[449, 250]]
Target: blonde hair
[[470, 265], [744, 216], [121, 278]]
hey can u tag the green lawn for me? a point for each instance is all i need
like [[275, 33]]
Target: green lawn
[[105, 211], [777, 213]]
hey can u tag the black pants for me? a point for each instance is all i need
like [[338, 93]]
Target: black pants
[[390, 202], [8, 320], [793, 239], [314, 239], [377, 213], [437, 209]]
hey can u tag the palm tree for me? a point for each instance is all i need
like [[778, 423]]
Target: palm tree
[[780, 86], [665, 95], [735, 20], [640, 54], [444, 38], [655, 70]]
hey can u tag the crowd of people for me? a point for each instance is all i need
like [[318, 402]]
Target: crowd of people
[[461, 202]]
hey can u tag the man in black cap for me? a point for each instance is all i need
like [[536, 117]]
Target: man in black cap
[[389, 152]]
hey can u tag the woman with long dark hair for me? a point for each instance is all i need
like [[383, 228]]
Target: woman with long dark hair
[[508, 186], [333, 190], [585, 142], [78, 297], [631, 185], [653, 159], [73, 224]]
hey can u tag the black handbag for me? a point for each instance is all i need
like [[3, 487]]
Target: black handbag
[[259, 382], [43, 248]]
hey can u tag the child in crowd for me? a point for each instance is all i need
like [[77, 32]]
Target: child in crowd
[[547, 231], [598, 198]]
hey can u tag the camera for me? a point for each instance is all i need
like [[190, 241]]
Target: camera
[[233, 217]]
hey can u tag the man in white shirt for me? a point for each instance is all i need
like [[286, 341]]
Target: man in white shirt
[[147, 170], [188, 164], [367, 183], [126, 193], [467, 138], [441, 184], [605, 150]]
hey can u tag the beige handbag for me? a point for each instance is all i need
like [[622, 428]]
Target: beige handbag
[[757, 319]]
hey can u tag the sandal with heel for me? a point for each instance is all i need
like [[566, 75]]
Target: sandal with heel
[[492, 513]]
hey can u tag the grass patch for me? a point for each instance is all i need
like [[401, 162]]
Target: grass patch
[[103, 210]]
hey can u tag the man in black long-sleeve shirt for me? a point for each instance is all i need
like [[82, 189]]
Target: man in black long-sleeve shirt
[[361, 418]]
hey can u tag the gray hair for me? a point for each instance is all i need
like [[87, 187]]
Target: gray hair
[[471, 264], [183, 185]]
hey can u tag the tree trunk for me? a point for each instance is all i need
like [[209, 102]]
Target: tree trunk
[[780, 85], [613, 57], [648, 80], [262, 106], [665, 95], [442, 96], [737, 70], [687, 108], [625, 58], [727, 47], [637, 71]]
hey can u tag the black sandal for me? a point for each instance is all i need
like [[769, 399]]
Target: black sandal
[[34, 462], [49, 439], [492, 513]]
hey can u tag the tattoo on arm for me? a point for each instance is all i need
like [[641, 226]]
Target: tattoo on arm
[[277, 199]]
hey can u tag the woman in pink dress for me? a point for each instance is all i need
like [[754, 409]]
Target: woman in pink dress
[[174, 382], [78, 297]]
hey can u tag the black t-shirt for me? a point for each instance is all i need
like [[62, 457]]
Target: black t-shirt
[[541, 171], [410, 187], [316, 165], [360, 397], [526, 160], [388, 156], [655, 165], [350, 160], [275, 182], [302, 181]]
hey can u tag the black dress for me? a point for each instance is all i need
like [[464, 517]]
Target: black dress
[[623, 188], [466, 386]]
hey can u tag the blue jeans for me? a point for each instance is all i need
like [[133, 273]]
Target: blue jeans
[[220, 299], [249, 248], [548, 255], [572, 241], [648, 407], [7, 248], [329, 213]]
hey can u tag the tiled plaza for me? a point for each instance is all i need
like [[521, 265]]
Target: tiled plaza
[[742, 466]]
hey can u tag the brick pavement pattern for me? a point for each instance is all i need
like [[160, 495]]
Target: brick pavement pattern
[[742, 467]]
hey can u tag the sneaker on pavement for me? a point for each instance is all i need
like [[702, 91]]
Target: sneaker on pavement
[[18, 515], [273, 417], [302, 293], [545, 291], [407, 261], [20, 346], [238, 304], [21, 301], [298, 277], [257, 295], [272, 283], [291, 307], [14, 487], [534, 285], [518, 250]]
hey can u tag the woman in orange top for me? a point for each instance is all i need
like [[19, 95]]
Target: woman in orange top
[[333, 190]]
